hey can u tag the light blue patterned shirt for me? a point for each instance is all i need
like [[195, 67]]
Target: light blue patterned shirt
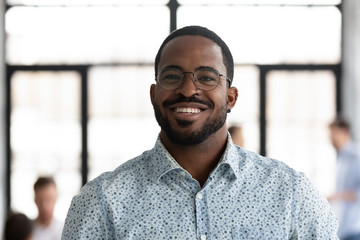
[[245, 197]]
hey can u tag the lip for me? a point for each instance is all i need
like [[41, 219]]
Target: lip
[[187, 111]]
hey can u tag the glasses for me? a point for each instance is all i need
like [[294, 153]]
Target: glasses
[[205, 79]]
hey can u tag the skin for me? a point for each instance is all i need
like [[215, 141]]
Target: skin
[[237, 136], [190, 53], [339, 138], [45, 200]]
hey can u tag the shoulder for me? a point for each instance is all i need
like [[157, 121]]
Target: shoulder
[[133, 171], [57, 224], [311, 213], [265, 166], [273, 175]]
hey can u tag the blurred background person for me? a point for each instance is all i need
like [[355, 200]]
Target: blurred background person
[[46, 227], [237, 136], [346, 199], [18, 227]]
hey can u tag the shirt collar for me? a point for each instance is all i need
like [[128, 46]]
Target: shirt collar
[[349, 149], [231, 157], [164, 163]]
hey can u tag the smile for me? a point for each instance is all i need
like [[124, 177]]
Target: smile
[[187, 110]]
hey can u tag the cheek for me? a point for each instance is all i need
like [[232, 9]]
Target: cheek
[[155, 95], [220, 98]]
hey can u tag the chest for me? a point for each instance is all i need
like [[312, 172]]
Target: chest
[[180, 210]]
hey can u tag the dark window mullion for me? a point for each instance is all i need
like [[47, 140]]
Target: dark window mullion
[[173, 7], [84, 124], [9, 73]]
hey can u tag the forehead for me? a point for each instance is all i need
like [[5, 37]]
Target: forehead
[[190, 52]]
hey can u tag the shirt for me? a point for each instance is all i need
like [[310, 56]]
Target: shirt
[[348, 179], [246, 196], [51, 232]]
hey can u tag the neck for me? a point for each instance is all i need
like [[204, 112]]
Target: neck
[[199, 160], [342, 143], [44, 221]]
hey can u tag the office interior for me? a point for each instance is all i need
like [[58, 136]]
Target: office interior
[[75, 78]]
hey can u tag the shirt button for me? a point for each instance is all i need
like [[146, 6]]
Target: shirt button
[[203, 237], [182, 174], [200, 196]]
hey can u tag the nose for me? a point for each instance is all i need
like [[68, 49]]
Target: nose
[[188, 87]]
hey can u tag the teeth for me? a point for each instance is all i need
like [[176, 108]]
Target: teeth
[[187, 110]]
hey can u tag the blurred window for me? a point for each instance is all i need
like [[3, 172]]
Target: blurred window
[[84, 35], [272, 34], [45, 136], [300, 105], [121, 119]]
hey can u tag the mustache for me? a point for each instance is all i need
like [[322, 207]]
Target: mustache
[[183, 99]]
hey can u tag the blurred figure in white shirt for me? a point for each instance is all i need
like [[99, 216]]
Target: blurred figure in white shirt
[[46, 227]]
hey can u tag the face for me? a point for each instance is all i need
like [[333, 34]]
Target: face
[[188, 115], [333, 136], [339, 137], [45, 199]]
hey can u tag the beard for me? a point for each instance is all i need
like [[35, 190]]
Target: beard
[[196, 137]]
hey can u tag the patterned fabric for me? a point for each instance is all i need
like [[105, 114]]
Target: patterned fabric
[[245, 197]]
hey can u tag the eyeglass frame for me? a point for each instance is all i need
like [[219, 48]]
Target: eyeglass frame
[[193, 76]]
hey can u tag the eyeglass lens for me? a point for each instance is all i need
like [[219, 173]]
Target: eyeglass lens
[[204, 79]]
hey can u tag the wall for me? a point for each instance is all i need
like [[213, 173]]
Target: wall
[[351, 63], [2, 120]]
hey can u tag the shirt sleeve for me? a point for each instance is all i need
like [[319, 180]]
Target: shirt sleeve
[[314, 218], [85, 218], [356, 176]]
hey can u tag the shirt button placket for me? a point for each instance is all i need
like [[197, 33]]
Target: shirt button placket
[[201, 216]]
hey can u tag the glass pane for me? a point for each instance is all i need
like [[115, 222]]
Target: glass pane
[[72, 35], [272, 34], [300, 105], [246, 111], [84, 2], [265, 2], [45, 136], [122, 123]]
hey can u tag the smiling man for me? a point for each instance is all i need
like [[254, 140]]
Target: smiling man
[[196, 183]]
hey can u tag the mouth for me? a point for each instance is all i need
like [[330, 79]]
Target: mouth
[[187, 113], [187, 110]]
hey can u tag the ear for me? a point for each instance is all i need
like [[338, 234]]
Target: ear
[[152, 93], [232, 95]]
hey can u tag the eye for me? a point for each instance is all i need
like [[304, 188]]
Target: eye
[[207, 77], [170, 76]]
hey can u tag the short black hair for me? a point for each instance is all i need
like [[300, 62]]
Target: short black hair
[[340, 122], [17, 226], [43, 181], [204, 32]]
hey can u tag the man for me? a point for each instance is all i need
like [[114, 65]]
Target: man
[[347, 196], [46, 227], [195, 183]]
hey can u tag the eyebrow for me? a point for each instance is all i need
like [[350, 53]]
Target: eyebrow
[[198, 68]]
